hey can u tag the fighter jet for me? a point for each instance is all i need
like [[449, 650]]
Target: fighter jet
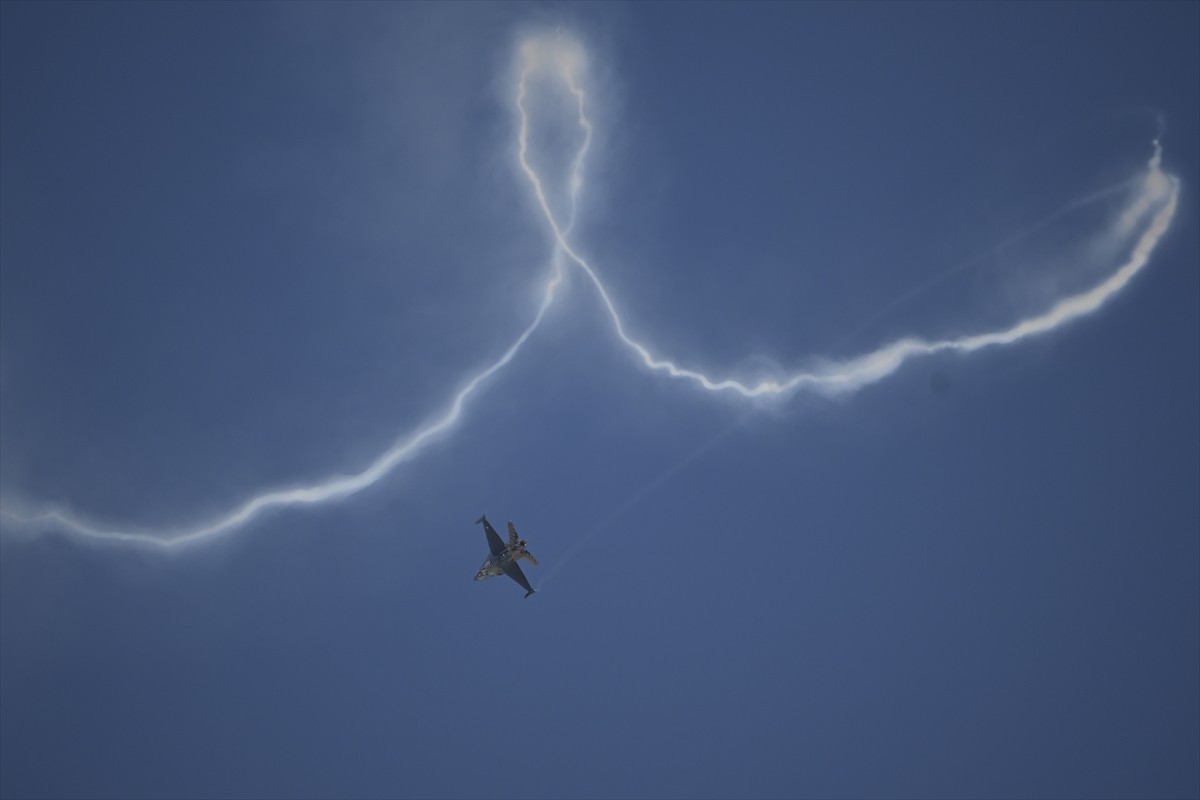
[[504, 557]]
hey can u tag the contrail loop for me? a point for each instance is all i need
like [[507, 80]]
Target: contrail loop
[[1159, 191]]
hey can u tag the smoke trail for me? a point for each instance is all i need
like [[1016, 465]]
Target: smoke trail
[[324, 491], [976, 260], [563, 59], [1157, 190]]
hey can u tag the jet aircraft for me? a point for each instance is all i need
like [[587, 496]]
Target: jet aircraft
[[504, 557]]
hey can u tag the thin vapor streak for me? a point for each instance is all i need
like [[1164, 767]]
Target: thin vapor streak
[[975, 260], [1159, 191], [604, 523]]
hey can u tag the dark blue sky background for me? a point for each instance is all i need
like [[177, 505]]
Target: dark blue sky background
[[246, 247]]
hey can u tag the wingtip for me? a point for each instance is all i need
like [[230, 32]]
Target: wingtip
[[531, 591], [481, 519]]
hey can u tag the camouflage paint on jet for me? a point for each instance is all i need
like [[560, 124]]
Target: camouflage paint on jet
[[504, 557]]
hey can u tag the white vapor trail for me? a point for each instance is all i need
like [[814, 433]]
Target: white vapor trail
[[563, 60], [1158, 190], [330, 489]]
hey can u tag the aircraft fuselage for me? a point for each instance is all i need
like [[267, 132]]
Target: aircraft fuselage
[[503, 558], [493, 566]]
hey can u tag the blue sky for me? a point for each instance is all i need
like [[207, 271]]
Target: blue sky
[[247, 249]]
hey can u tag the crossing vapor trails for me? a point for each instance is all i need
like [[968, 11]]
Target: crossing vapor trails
[[1157, 190], [1150, 210]]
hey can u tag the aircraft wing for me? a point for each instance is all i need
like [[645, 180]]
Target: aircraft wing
[[495, 543], [513, 571]]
